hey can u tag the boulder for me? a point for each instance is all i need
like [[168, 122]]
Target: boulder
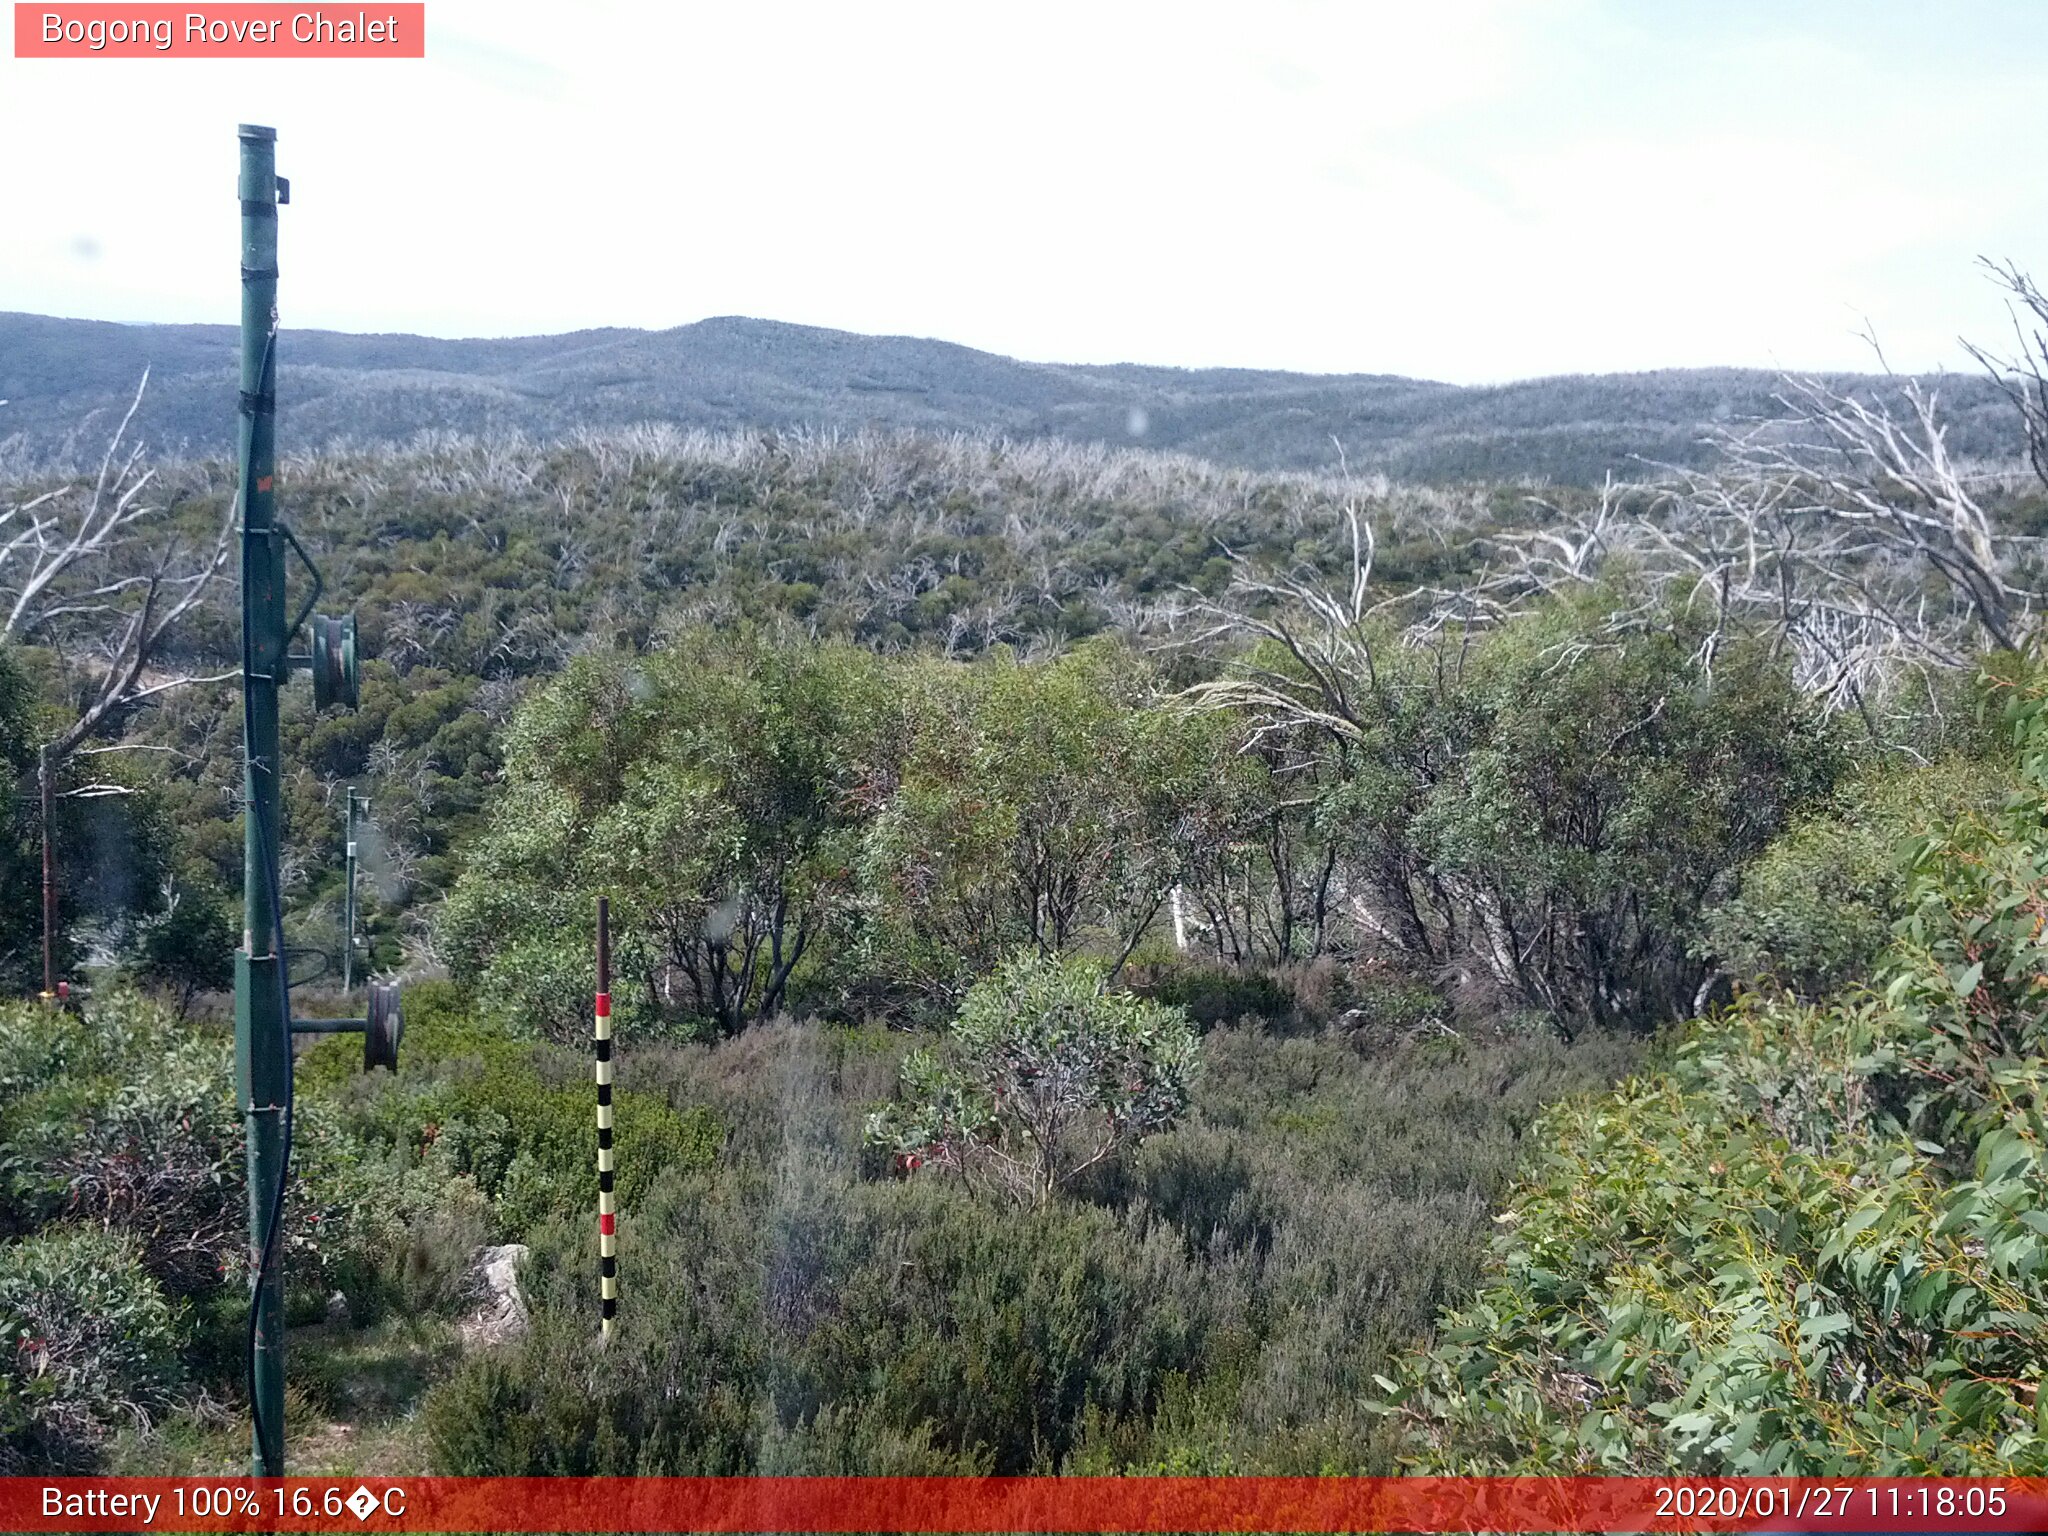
[[501, 1313]]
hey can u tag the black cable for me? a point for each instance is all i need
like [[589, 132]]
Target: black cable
[[267, 856]]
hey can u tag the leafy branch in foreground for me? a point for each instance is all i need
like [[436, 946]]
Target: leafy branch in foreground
[[1817, 1242]]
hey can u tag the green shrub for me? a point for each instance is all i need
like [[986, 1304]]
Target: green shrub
[[1047, 1075], [432, 1261], [1039, 805], [1204, 1183], [1815, 910], [1728, 1270], [1212, 995], [442, 1028], [1000, 1333], [860, 1439], [816, 1323], [534, 1147], [88, 1343], [1542, 822], [674, 1392], [189, 947], [528, 1144], [715, 790], [1218, 1300], [125, 1117], [783, 1091], [1387, 1006]]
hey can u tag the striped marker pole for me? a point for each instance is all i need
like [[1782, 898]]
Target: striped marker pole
[[607, 1218]]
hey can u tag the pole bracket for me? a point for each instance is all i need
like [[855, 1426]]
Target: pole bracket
[[329, 1026], [312, 569]]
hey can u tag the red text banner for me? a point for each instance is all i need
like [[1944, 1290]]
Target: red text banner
[[1026, 1504], [233, 31]]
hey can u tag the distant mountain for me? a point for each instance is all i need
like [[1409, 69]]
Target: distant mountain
[[66, 381]]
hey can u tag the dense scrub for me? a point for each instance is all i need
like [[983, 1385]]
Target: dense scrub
[[479, 567], [1814, 1241], [924, 774], [796, 1299], [1219, 1301], [123, 1264], [1537, 823], [1815, 911]]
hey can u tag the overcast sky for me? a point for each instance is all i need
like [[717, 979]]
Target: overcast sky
[[1468, 192]]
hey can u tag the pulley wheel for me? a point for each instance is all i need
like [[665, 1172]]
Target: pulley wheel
[[334, 661]]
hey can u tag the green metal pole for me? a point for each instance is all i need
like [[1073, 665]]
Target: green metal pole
[[348, 899], [263, 1062]]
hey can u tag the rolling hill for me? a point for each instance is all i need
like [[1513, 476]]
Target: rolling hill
[[65, 382]]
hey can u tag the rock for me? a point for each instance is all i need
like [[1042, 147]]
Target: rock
[[501, 1313]]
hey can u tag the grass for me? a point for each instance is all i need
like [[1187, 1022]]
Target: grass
[[352, 1397]]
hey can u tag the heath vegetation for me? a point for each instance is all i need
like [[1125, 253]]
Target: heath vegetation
[[1121, 964]]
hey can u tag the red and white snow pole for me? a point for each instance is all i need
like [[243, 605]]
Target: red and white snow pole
[[607, 1216]]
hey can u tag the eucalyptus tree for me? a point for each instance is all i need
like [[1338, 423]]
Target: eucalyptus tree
[[716, 790], [1042, 805]]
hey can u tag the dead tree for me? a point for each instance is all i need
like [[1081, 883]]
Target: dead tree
[[1317, 688], [1324, 633], [80, 573], [2022, 374], [1882, 474], [1845, 531]]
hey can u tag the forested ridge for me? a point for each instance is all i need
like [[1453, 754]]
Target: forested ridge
[[66, 383], [1121, 964]]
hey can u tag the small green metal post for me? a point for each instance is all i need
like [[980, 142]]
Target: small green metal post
[[263, 1061], [348, 895], [49, 880]]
